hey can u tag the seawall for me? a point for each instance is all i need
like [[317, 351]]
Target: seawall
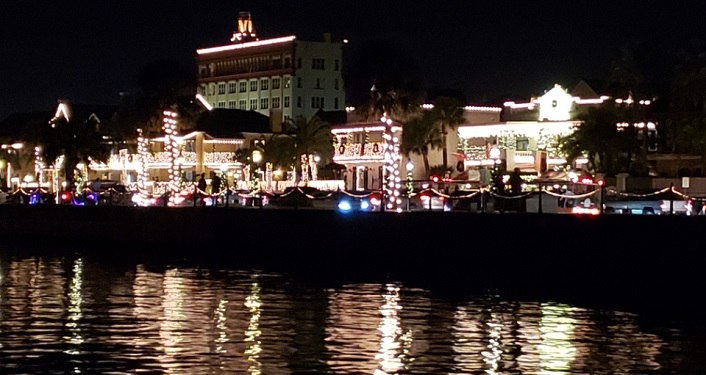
[[623, 259]]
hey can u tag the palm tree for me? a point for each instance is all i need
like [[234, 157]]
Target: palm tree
[[448, 115], [279, 150], [396, 104], [308, 137], [599, 138], [419, 136], [78, 140]]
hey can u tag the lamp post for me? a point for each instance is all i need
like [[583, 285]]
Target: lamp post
[[410, 187]]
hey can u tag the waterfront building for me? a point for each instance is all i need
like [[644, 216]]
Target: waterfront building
[[360, 147], [527, 135], [282, 77]]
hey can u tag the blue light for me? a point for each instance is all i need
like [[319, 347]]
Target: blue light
[[344, 206], [34, 199], [364, 205]]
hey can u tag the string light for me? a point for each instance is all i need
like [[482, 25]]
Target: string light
[[391, 145], [171, 147]]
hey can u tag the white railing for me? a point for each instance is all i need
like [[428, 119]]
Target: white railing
[[219, 158]]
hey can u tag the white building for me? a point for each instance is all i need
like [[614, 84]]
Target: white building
[[281, 77]]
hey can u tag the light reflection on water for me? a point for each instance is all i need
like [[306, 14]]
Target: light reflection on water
[[78, 316]]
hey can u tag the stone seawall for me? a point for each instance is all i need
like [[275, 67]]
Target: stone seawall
[[623, 258]]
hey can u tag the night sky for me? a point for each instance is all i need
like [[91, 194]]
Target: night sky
[[89, 51]]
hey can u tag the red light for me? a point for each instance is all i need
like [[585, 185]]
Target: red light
[[65, 196], [435, 179], [601, 182]]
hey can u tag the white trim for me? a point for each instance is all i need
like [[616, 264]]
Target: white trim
[[258, 43]]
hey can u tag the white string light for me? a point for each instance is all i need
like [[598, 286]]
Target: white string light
[[393, 182], [171, 147]]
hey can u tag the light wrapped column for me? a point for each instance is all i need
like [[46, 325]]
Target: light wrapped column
[[171, 147], [393, 182], [142, 176]]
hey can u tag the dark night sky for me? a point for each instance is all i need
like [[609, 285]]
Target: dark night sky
[[89, 51]]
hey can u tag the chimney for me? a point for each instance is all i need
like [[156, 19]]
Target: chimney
[[327, 37]]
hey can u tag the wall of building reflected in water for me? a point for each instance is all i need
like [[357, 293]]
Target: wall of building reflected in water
[[80, 316]]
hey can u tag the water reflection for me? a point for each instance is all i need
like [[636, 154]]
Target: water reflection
[[556, 352], [252, 343], [84, 316], [74, 314], [394, 343]]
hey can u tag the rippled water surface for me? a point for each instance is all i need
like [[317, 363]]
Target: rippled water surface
[[72, 315]]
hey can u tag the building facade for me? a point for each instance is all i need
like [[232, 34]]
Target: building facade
[[280, 77]]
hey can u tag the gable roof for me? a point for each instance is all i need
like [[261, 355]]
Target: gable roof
[[232, 123], [83, 112]]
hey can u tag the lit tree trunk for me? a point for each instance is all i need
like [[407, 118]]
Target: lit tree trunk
[[69, 166], [425, 157], [446, 158]]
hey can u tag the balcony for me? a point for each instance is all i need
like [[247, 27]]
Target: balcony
[[372, 151]]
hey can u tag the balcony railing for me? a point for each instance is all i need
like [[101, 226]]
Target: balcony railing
[[359, 151]]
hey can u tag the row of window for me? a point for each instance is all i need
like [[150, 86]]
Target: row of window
[[245, 65], [264, 85], [259, 64], [317, 102], [242, 86], [320, 64]]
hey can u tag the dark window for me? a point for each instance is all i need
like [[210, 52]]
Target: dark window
[[221, 88], [318, 64], [286, 102], [253, 85], [275, 83], [264, 84]]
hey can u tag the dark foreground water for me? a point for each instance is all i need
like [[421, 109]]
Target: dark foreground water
[[79, 315]]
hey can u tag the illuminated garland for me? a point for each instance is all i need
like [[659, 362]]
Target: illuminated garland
[[392, 167]]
